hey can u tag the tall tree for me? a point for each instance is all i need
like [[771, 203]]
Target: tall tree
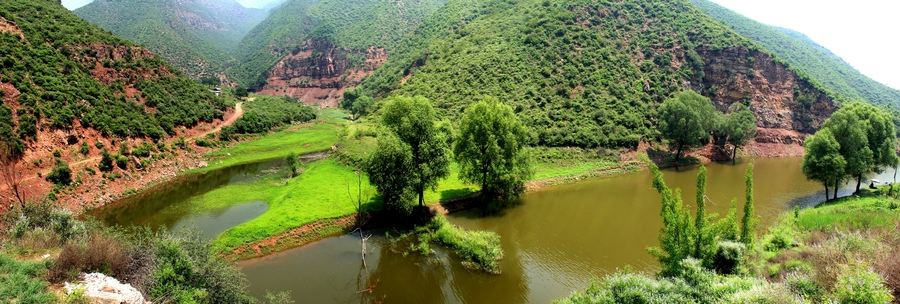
[[490, 150], [390, 171], [880, 134], [686, 121], [851, 132], [822, 161], [676, 238], [704, 246], [414, 121], [740, 128], [749, 221]]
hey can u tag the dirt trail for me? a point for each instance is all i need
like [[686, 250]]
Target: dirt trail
[[238, 112]]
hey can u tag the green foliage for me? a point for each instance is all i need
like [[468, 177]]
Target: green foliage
[[805, 55], [241, 92], [729, 257], [480, 250], [693, 285], [683, 237], [266, 112], [600, 87], [490, 150], [52, 68], [749, 220], [389, 169], [686, 121], [200, 45], [61, 174], [413, 121], [20, 282], [122, 161], [740, 127], [291, 162], [823, 161], [859, 284], [351, 24], [106, 161], [186, 270]]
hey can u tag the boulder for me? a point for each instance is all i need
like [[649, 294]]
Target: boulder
[[101, 289]]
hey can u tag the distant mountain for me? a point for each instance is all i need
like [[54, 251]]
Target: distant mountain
[[196, 36], [807, 56], [348, 24], [62, 75], [588, 73]]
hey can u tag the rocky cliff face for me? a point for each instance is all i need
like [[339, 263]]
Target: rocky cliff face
[[318, 72], [787, 107]]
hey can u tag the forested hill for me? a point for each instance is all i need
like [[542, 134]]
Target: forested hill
[[196, 36], [60, 73], [592, 73], [807, 56], [349, 24]]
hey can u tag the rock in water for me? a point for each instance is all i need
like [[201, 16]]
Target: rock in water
[[100, 288]]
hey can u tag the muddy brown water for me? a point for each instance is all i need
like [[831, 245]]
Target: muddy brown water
[[554, 240]]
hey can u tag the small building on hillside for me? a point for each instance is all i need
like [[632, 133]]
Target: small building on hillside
[[217, 91]]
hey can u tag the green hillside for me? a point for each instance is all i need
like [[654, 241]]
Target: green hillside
[[195, 36], [352, 24], [807, 56], [58, 69], [578, 73]]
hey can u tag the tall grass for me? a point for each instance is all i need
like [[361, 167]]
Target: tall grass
[[20, 282]]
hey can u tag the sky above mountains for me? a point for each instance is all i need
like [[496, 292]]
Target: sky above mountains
[[862, 32]]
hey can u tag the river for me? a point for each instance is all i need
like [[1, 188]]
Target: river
[[555, 240]]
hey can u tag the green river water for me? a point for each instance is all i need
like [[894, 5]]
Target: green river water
[[554, 241]]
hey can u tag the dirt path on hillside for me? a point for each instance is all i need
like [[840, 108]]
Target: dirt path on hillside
[[238, 112]]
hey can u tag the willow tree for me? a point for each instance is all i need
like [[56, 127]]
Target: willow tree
[[686, 121], [414, 122], [740, 127], [822, 161], [490, 150]]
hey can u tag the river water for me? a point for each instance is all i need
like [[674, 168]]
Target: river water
[[554, 240]]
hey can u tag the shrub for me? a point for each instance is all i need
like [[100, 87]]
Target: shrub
[[203, 142], [61, 174], [186, 269], [291, 162], [479, 249], [859, 284], [106, 161], [98, 252], [122, 161], [85, 149], [57, 153], [782, 237], [806, 287], [728, 257], [19, 282]]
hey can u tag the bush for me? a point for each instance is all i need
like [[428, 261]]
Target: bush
[[859, 284], [61, 174], [85, 149], [203, 142], [728, 258], [122, 161], [480, 250], [186, 269], [98, 252], [106, 161], [57, 153]]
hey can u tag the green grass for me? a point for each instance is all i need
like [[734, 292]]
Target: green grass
[[545, 170], [19, 282], [319, 193], [851, 213], [319, 136]]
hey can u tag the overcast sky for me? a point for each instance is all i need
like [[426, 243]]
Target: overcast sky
[[862, 32]]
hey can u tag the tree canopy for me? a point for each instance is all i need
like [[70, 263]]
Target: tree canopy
[[686, 121], [823, 161], [490, 150], [740, 127], [414, 122]]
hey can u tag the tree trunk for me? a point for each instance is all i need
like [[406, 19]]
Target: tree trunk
[[835, 189], [858, 182], [734, 155], [677, 154], [826, 191]]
